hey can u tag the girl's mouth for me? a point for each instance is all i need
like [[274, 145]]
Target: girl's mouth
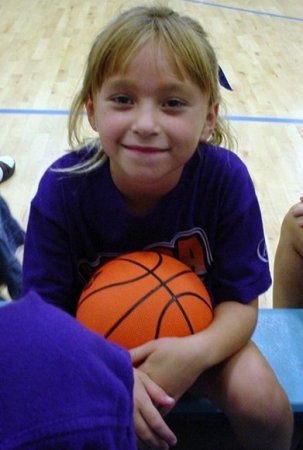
[[144, 149]]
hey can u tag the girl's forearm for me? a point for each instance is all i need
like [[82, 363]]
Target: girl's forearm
[[230, 330]]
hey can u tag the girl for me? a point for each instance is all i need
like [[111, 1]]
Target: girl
[[155, 178]]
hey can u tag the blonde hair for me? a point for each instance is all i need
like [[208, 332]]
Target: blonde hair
[[186, 44]]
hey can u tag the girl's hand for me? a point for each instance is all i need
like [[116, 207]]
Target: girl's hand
[[151, 429], [175, 364], [169, 362]]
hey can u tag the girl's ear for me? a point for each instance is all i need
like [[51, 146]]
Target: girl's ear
[[89, 106], [210, 122]]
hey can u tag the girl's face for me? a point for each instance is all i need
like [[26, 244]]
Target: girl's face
[[150, 122]]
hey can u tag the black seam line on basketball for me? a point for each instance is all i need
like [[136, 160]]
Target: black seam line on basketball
[[159, 286], [176, 300], [173, 300], [151, 271], [145, 297], [121, 283], [148, 272]]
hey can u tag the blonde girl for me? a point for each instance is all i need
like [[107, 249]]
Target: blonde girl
[[156, 177]]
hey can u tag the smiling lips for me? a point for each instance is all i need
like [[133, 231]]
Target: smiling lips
[[144, 149]]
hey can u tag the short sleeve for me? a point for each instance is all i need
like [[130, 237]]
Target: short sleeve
[[240, 270]]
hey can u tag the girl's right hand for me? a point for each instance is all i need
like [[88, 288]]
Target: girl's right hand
[[151, 429]]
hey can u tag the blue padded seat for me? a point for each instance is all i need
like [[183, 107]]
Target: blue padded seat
[[279, 336]]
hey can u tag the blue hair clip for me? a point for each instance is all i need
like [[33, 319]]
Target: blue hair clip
[[223, 80]]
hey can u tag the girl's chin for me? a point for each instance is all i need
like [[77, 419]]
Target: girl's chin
[[146, 178]]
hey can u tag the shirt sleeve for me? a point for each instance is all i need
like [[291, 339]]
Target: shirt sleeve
[[47, 265], [240, 269]]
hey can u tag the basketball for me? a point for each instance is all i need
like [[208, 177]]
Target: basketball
[[141, 296]]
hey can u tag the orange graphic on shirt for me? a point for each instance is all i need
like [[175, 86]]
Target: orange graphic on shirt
[[189, 250], [191, 247]]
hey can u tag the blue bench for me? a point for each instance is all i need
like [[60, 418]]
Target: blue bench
[[279, 336]]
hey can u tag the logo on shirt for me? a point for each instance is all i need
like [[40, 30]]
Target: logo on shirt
[[191, 247], [262, 251]]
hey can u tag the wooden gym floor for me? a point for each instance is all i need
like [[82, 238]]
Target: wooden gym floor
[[259, 44]]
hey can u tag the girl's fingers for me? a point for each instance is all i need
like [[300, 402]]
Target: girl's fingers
[[150, 425], [157, 438], [159, 396], [139, 354]]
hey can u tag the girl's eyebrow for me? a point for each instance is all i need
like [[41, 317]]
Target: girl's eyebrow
[[168, 88], [120, 83]]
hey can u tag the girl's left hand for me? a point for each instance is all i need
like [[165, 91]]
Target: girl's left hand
[[169, 362]]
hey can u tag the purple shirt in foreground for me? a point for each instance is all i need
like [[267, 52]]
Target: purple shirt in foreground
[[61, 386]]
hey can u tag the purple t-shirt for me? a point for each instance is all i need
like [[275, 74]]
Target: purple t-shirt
[[61, 386], [211, 221]]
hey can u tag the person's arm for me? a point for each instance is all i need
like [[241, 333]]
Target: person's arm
[[288, 264], [176, 363]]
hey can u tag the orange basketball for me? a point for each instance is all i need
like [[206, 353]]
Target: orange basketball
[[141, 296]]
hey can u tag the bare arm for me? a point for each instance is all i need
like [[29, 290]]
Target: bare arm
[[231, 329]]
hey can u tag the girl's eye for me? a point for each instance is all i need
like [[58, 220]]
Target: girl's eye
[[122, 99], [174, 103]]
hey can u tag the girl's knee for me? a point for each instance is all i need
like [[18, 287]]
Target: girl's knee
[[251, 389], [261, 415], [267, 404], [247, 390]]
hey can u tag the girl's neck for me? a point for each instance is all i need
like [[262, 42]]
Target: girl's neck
[[141, 205], [140, 196]]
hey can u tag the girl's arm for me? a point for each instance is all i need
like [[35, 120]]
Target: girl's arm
[[176, 363]]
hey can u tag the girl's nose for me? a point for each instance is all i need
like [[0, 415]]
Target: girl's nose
[[145, 121]]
